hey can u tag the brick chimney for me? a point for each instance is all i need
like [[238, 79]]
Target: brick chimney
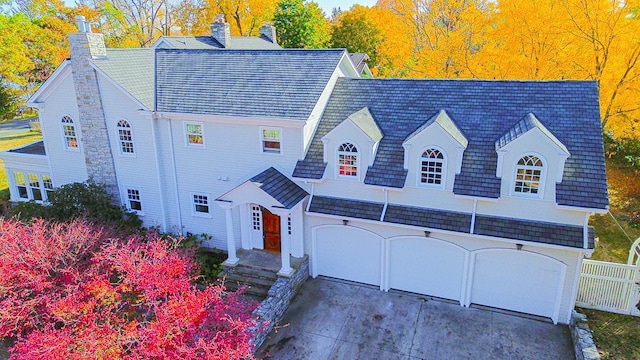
[[269, 31], [86, 46], [221, 31]]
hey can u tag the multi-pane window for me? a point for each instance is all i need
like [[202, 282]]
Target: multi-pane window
[[48, 184], [69, 133], [271, 141], [34, 186], [348, 160], [528, 175], [133, 198], [256, 217], [194, 134], [125, 136], [289, 225], [431, 166], [200, 204], [21, 185]]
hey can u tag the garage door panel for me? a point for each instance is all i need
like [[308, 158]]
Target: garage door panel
[[426, 266], [349, 254], [518, 281]]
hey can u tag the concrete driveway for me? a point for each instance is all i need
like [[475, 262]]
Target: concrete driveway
[[331, 319]]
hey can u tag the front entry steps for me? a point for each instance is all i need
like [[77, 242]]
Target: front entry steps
[[258, 280]]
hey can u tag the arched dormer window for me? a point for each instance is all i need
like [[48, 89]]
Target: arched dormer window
[[125, 137], [528, 177], [432, 168], [69, 133], [348, 160]]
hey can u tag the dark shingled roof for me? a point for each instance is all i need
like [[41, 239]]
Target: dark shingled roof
[[515, 229], [346, 207], [280, 187], [208, 42], [270, 83], [484, 111], [429, 218], [535, 231], [37, 148]]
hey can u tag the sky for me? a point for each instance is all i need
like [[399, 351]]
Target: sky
[[327, 5]]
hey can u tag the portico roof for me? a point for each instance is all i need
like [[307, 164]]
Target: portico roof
[[274, 187]]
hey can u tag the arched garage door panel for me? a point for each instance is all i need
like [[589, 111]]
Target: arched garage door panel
[[426, 266], [518, 281], [348, 253]]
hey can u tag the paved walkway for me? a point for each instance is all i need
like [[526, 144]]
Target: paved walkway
[[331, 319]]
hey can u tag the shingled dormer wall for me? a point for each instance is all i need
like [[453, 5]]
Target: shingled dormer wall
[[94, 139]]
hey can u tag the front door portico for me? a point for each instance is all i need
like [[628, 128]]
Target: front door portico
[[271, 231]]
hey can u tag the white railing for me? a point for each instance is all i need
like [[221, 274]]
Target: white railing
[[609, 287]]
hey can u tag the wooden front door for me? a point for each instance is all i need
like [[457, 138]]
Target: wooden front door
[[271, 230]]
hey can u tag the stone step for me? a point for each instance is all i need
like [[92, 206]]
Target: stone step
[[251, 289], [242, 278], [248, 272]]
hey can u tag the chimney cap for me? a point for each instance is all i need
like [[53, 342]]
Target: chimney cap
[[220, 19], [83, 25]]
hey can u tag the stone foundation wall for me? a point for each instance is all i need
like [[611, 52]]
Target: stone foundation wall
[[583, 343], [280, 295]]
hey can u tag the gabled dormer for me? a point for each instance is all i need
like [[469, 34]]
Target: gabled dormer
[[351, 146], [530, 160], [433, 153]]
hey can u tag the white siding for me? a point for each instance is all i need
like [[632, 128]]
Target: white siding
[[137, 171], [67, 166]]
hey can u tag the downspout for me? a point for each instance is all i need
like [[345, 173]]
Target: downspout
[[386, 203], [585, 231], [313, 188], [473, 216], [154, 117], [175, 174]]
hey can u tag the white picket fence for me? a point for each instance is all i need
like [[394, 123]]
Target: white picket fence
[[610, 287]]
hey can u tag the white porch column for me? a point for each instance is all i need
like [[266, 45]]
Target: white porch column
[[231, 242], [285, 243]]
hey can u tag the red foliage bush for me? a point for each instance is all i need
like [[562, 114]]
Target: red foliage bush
[[74, 291]]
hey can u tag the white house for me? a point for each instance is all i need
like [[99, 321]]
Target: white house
[[475, 191]]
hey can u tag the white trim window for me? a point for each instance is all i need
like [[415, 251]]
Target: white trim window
[[69, 133], [528, 176], [201, 205], [34, 187], [125, 137], [47, 184], [270, 140], [256, 217], [348, 161], [194, 134], [21, 185], [432, 166], [134, 203]]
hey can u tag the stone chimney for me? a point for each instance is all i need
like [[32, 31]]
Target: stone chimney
[[86, 46], [221, 31], [269, 31]]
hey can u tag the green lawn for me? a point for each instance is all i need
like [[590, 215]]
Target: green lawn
[[616, 336], [10, 141]]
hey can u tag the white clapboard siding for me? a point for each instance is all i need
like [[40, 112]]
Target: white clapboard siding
[[609, 287]]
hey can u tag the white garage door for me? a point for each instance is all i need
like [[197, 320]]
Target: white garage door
[[518, 281], [348, 253], [426, 266]]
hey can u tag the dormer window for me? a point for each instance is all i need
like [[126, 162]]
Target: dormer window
[[431, 168], [348, 160], [528, 176]]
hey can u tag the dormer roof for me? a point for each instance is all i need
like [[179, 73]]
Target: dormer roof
[[526, 124], [365, 122], [442, 119]]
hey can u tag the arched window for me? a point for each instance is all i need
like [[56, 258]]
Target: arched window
[[528, 175], [69, 133], [431, 167], [125, 136], [348, 160]]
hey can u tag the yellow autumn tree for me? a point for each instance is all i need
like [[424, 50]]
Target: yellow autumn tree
[[194, 17]]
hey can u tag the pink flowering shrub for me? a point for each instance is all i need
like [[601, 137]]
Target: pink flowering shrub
[[74, 291]]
